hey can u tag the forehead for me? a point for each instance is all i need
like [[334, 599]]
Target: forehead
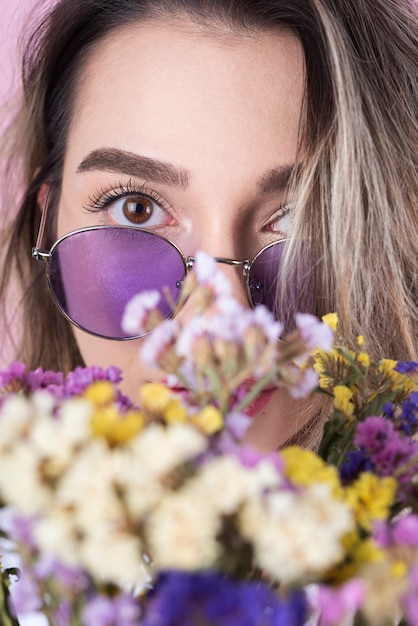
[[180, 92]]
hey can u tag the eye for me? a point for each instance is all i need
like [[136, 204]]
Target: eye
[[281, 220], [127, 206], [137, 210]]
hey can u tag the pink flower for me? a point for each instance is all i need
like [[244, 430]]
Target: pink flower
[[334, 605]]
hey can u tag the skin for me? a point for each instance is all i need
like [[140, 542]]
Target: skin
[[225, 109]]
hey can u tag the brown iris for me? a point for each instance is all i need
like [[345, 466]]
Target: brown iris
[[138, 209]]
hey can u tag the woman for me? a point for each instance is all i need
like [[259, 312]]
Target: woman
[[224, 126]]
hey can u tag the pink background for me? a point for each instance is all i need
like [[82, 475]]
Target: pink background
[[13, 14]]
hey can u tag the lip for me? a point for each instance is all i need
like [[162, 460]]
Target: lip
[[259, 403], [253, 408]]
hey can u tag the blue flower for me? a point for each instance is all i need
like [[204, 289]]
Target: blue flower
[[211, 599], [357, 461]]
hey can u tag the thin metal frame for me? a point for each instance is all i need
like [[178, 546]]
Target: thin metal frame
[[45, 256]]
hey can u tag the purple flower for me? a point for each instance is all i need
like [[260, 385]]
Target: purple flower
[[14, 372], [120, 610], [387, 449], [211, 598]]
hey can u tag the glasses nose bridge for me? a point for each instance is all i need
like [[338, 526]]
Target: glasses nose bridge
[[245, 264]]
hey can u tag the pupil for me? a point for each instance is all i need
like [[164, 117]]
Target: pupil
[[138, 210]]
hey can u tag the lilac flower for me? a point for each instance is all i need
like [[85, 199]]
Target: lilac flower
[[158, 342], [334, 605], [21, 530], [209, 275], [307, 382], [25, 594], [237, 424], [71, 579], [315, 333], [211, 598], [263, 318], [137, 312], [121, 610]]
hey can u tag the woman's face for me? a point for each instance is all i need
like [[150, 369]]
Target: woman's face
[[221, 112]]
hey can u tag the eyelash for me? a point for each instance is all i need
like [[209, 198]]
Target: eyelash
[[103, 198]]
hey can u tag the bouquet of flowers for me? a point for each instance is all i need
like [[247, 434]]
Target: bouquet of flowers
[[154, 513]]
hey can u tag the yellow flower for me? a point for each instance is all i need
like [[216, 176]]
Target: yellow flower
[[360, 341], [209, 419], [100, 393], [304, 467], [370, 498], [174, 411], [331, 320], [343, 400], [364, 359], [109, 424], [154, 397], [398, 380]]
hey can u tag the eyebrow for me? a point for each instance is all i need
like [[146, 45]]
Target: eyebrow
[[120, 161], [138, 166], [277, 179]]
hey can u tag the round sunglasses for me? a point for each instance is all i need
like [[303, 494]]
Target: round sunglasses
[[92, 274]]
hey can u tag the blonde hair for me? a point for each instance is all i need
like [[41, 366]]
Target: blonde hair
[[357, 189]]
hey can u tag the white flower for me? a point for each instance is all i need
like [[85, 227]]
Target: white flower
[[21, 483], [15, 417], [226, 483], [114, 556], [55, 533], [182, 531], [297, 535], [161, 449]]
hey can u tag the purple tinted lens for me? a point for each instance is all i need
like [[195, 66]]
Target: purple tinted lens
[[94, 273], [265, 278]]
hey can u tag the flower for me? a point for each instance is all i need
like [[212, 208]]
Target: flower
[[210, 598]]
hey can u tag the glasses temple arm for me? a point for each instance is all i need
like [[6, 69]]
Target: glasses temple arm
[[43, 221]]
